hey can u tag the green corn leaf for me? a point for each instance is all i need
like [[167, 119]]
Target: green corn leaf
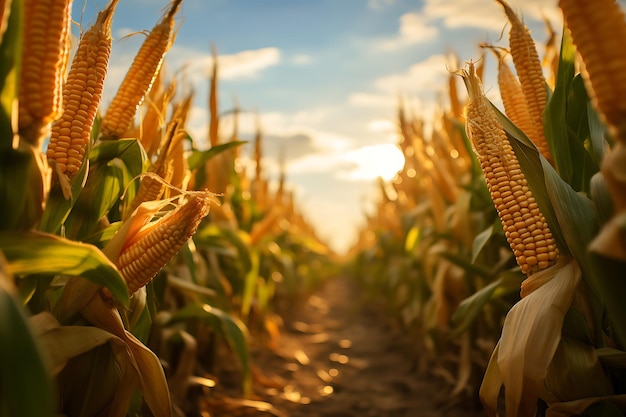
[[228, 326], [198, 158], [554, 121], [23, 372], [250, 283], [507, 284], [40, 253]]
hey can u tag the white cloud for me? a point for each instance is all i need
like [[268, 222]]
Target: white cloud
[[247, 63], [414, 28], [381, 125], [374, 100], [485, 14], [424, 78], [301, 59]]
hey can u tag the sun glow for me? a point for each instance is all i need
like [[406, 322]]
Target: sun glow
[[375, 161]]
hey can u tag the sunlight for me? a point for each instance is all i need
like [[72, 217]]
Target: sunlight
[[375, 161]]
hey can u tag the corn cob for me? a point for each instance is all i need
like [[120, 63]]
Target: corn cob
[[151, 248], [140, 76], [599, 32], [81, 96], [525, 228], [513, 98], [45, 54], [530, 73]]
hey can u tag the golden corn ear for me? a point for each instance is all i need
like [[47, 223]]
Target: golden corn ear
[[513, 98], [530, 73], [45, 53], [153, 246], [525, 228], [140, 76], [81, 96], [599, 32]]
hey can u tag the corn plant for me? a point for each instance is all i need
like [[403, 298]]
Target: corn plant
[[556, 298], [111, 304]]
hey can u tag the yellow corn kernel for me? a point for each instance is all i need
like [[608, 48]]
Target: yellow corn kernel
[[152, 247], [598, 30], [525, 227], [140, 76], [530, 73], [81, 96], [45, 54]]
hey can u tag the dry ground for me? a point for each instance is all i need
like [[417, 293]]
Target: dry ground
[[337, 358]]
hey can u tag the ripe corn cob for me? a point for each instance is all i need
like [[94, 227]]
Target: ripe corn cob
[[525, 228], [599, 32], [45, 54], [513, 98], [81, 96], [140, 76], [530, 73], [149, 250]]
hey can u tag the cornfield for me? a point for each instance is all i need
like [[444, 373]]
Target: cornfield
[[131, 259]]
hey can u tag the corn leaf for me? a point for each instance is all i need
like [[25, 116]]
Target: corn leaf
[[575, 215], [483, 238], [554, 119], [470, 308], [128, 151], [23, 372], [606, 281], [576, 361], [101, 193], [58, 207], [608, 406], [218, 237], [61, 343], [228, 326], [143, 361], [41, 253], [21, 187], [613, 358], [250, 284], [197, 159]]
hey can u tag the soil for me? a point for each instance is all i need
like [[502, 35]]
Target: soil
[[338, 357]]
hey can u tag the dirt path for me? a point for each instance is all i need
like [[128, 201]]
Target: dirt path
[[339, 360]]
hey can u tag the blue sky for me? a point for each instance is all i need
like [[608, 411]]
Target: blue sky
[[323, 78]]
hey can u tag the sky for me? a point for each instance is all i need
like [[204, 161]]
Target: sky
[[323, 78]]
